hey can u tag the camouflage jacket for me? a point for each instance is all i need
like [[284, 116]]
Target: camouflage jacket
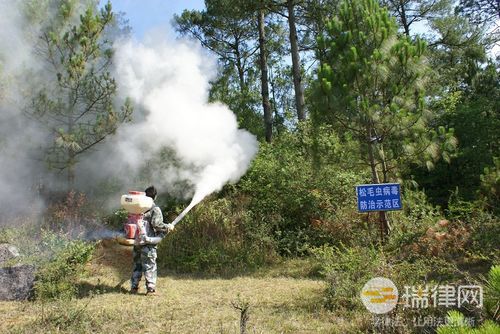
[[154, 222]]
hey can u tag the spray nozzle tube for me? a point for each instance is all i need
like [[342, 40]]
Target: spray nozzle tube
[[186, 210], [150, 240]]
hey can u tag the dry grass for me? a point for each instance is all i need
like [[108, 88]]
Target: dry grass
[[185, 305]]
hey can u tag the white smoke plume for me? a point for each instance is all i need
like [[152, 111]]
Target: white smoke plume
[[169, 81], [18, 138], [23, 70]]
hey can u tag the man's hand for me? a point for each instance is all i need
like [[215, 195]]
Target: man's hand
[[170, 227]]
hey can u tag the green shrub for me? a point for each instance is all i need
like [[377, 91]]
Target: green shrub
[[68, 212], [460, 209], [490, 186], [284, 205], [485, 235], [457, 324], [413, 221], [303, 204], [57, 276], [116, 219], [217, 237], [346, 270], [468, 233], [492, 293]]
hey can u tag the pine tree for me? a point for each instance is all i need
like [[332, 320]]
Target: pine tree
[[77, 103], [371, 85], [231, 30]]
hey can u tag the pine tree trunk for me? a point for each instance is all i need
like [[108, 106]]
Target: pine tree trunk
[[404, 20], [239, 66], [383, 222], [371, 158], [297, 76], [71, 176], [71, 154], [268, 117]]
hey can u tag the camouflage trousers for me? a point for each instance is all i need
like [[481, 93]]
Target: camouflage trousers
[[144, 262]]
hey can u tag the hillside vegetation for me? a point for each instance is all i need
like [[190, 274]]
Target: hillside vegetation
[[366, 99]]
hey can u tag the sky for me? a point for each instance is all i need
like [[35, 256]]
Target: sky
[[144, 15], [147, 15]]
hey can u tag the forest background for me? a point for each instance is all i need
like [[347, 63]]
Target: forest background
[[338, 93]]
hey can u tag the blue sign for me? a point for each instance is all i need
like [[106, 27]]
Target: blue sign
[[379, 197]]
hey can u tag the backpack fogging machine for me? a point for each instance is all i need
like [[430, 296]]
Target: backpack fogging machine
[[136, 203]]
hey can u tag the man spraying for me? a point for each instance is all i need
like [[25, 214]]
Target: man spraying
[[144, 254]]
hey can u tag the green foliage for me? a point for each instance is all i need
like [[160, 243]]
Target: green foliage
[[57, 276], [492, 293], [458, 208], [243, 104], [346, 270], [457, 324], [411, 223], [227, 29], [371, 84], [465, 93], [490, 186], [302, 204], [458, 49], [77, 102], [116, 219], [217, 237], [468, 232], [474, 114], [484, 226], [417, 207], [282, 206]]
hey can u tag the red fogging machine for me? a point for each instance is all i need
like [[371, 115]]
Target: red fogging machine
[[136, 203]]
